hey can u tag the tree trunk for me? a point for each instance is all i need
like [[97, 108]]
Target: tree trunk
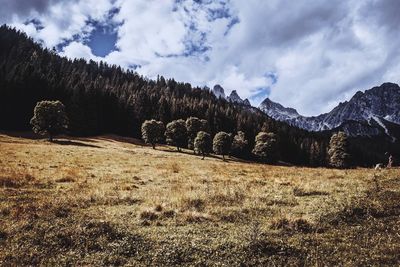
[[203, 155], [154, 145], [50, 137]]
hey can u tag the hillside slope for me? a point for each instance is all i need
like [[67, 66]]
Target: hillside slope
[[109, 200]]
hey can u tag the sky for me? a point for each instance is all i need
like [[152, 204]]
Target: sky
[[305, 54]]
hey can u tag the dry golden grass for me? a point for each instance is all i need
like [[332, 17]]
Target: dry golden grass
[[113, 201]]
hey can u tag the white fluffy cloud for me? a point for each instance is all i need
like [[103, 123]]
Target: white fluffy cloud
[[320, 52]]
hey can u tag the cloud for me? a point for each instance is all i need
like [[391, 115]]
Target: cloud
[[304, 54], [79, 50]]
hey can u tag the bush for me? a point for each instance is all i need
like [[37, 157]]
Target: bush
[[49, 118]]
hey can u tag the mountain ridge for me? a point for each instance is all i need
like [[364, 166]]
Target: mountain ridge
[[380, 104]]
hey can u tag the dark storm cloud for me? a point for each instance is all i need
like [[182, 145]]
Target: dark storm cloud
[[22, 7], [384, 12]]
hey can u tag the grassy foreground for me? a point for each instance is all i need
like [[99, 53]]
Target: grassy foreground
[[113, 201]]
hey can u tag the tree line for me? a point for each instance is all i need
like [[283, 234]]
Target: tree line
[[50, 119]]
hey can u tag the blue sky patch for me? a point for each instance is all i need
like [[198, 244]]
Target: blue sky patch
[[102, 40]]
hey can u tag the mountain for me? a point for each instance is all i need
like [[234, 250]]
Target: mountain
[[235, 98], [218, 91], [277, 111], [365, 114]]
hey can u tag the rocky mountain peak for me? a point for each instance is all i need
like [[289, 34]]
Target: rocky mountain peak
[[219, 91], [235, 98], [277, 111]]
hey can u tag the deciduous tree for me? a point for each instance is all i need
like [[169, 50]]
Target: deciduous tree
[[176, 133], [49, 117], [266, 147], [202, 143], [338, 151], [222, 144], [153, 132]]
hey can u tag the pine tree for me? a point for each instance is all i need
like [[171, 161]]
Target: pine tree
[[152, 132], [338, 151], [222, 144], [202, 143], [49, 117], [176, 133], [266, 147]]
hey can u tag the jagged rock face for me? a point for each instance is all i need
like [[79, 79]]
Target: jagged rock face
[[374, 107], [235, 98], [219, 91], [277, 111], [246, 102]]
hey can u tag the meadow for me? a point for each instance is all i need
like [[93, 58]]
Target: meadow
[[111, 201]]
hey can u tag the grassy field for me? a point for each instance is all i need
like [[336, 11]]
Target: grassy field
[[113, 201]]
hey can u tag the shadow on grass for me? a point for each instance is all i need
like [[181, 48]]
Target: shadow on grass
[[189, 152], [73, 143], [121, 139]]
